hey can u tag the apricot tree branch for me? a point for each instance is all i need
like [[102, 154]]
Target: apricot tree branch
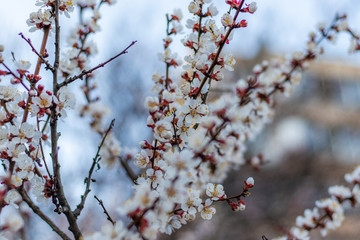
[[62, 206], [222, 44], [48, 65], [84, 72], [88, 180], [105, 211], [38, 212], [129, 172]]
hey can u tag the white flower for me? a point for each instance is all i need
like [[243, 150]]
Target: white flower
[[212, 10], [250, 182], [25, 167], [8, 92], [86, 3], [343, 25], [309, 220], [39, 19], [229, 62], [206, 210], [12, 198], [227, 20], [141, 159], [177, 14], [242, 206], [356, 193], [300, 234], [37, 188], [152, 103], [163, 130], [22, 65], [353, 177], [176, 28], [215, 192], [16, 181], [43, 101], [66, 100], [334, 208], [192, 202], [25, 132], [194, 7], [252, 7], [14, 222], [193, 110], [155, 176], [340, 192], [112, 232]]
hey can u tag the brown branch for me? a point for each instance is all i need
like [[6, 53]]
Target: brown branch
[[58, 187], [3, 103], [88, 180], [40, 143], [48, 65], [38, 212], [85, 72], [222, 44], [105, 211], [37, 70], [129, 172]]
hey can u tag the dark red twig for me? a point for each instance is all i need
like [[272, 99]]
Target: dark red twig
[[84, 72]]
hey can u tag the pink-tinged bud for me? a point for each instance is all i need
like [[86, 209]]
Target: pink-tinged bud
[[37, 78], [252, 7], [250, 182], [143, 144], [242, 205], [40, 88], [14, 81], [242, 23], [167, 41], [32, 92], [235, 207], [241, 88], [22, 104], [185, 76], [218, 76], [234, 3]]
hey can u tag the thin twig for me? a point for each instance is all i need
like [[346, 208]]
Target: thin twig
[[38, 212], [215, 61], [129, 172], [48, 65], [105, 211], [84, 72], [16, 77], [40, 144], [88, 180]]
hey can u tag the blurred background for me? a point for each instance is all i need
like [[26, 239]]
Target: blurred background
[[313, 141]]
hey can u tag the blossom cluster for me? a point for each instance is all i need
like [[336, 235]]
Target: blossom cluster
[[207, 139], [329, 212], [196, 142], [25, 112], [44, 17]]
